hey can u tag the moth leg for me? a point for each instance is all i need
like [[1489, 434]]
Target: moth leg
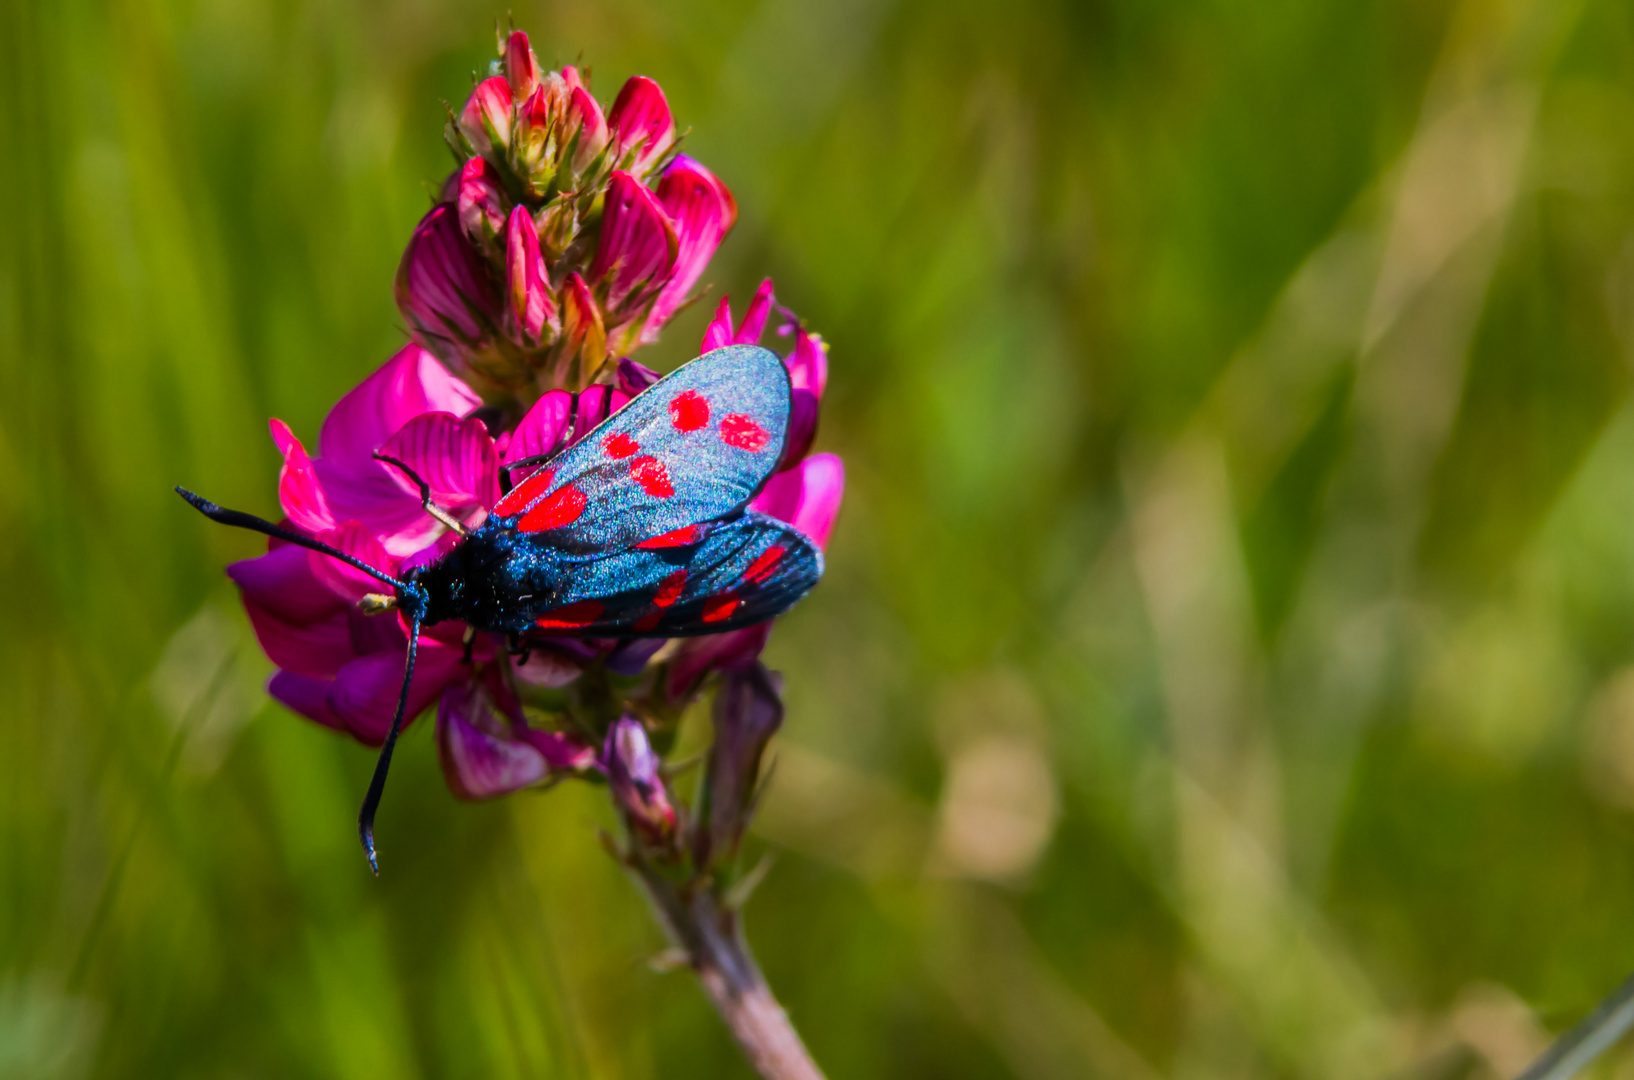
[[470, 640], [431, 508]]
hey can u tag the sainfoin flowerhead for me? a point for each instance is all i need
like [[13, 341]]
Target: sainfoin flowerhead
[[620, 222]]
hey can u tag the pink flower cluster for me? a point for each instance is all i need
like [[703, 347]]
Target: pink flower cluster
[[568, 236], [566, 239]]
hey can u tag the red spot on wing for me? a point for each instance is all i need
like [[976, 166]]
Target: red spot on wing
[[650, 473], [720, 607], [571, 616], [619, 445], [740, 431], [764, 563], [688, 411], [674, 538], [647, 622], [525, 492], [669, 590], [561, 507]]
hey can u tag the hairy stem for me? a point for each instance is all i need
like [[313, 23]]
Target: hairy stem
[[712, 937]]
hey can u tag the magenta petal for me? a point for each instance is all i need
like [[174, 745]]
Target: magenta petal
[[481, 756], [531, 309], [443, 288], [521, 69], [455, 457], [699, 656], [299, 492], [304, 695], [486, 119], [807, 496], [718, 334], [543, 429], [595, 405], [703, 211], [282, 583], [364, 693], [808, 363], [802, 427], [318, 649], [585, 119], [634, 377], [754, 320], [347, 581], [479, 199], [363, 489], [638, 242], [640, 120]]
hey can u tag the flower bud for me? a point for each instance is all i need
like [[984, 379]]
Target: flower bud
[[808, 376], [633, 774], [532, 151], [584, 129], [443, 290], [531, 312], [479, 198], [642, 129], [635, 255], [521, 68], [748, 711], [486, 119], [583, 334], [703, 211], [557, 224]]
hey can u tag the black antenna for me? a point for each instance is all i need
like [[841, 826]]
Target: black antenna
[[412, 598], [240, 520], [377, 783]]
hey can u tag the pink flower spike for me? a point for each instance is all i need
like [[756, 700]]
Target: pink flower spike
[[299, 491], [443, 289], [703, 211], [531, 309], [640, 121], [455, 457], [521, 68], [584, 119], [807, 496], [486, 119], [638, 244], [480, 200]]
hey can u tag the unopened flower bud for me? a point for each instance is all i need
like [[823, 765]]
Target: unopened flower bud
[[748, 711], [641, 126], [486, 119], [480, 200], [530, 312], [443, 290], [635, 255], [633, 774], [557, 224], [521, 68], [584, 128]]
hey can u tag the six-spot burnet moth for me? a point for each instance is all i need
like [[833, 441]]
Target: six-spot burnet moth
[[637, 530]]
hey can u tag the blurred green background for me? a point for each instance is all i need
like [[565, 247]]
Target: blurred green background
[[1224, 666]]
